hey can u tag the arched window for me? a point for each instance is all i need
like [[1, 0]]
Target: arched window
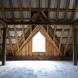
[[38, 43]]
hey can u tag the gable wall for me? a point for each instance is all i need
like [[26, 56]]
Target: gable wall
[[50, 50]]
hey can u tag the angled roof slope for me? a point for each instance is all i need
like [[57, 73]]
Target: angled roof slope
[[44, 32]]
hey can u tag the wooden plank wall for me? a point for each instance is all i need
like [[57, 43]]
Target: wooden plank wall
[[50, 50]]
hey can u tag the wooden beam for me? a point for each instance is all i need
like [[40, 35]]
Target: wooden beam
[[37, 9], [15, 44], [39, 4], [23, 33], [20, 29], [12, 12], [44, 32], [57, 11], [29, 7], [74, 46], [1, 34], [44, 15], [21, 15], [51, 22], [67, 6], [55, 27], [30, 36], [61, 38], [13, 37], [16, 37], [17, 29], [4, 46], [47, 29], [3, 11], [10, 42], [49, 5], [67, 41], [74, 7]]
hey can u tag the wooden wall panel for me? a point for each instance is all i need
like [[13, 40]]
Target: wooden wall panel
[[50, 50]]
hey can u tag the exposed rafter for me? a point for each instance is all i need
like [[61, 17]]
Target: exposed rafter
[[12, 12], [66, 7], [12, 18], [3, 11], [57, 11], [49, 5], [74, 7]]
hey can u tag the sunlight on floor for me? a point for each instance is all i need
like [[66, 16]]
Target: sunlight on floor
[[38, 69], [36, 65]]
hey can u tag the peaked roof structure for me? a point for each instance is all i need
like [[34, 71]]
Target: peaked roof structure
[[48, 11], [44, 32]]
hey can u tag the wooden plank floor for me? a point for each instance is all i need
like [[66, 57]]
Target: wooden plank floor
[[39, 69]]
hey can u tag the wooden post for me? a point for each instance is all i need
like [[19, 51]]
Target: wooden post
[[74, 46], [4, 46]]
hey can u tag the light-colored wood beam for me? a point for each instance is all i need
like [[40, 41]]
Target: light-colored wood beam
[[61, 38], [10, 42], [23, 33], [16, 37], [67, 41]]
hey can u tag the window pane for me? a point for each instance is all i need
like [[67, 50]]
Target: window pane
[[38, 43]]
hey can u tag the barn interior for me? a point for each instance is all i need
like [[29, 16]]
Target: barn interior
[[38, 37]]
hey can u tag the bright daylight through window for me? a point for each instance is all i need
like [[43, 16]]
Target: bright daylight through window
[[38, 43]]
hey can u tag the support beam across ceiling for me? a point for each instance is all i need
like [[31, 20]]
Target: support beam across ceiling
[[51, 22]]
